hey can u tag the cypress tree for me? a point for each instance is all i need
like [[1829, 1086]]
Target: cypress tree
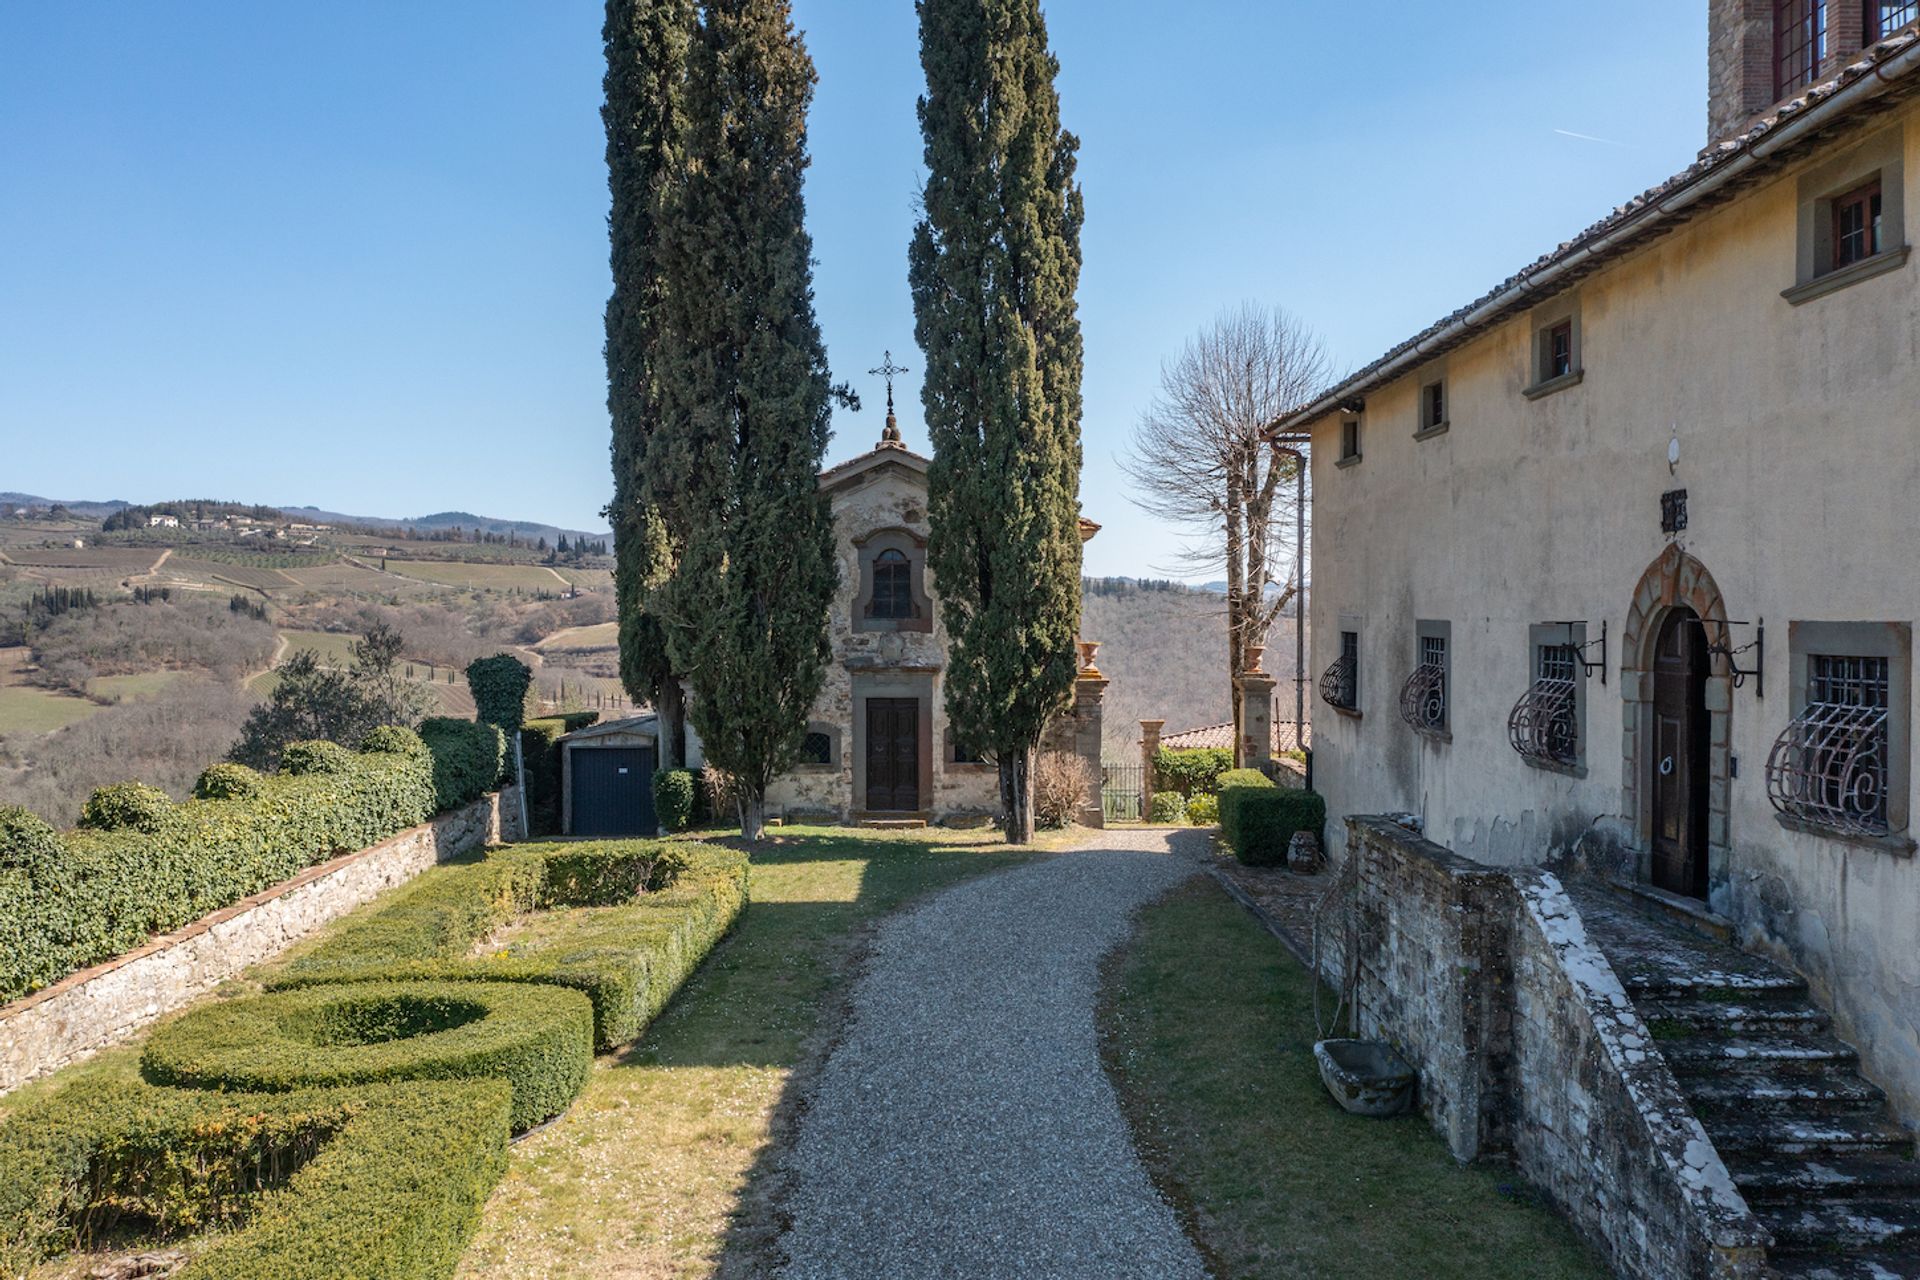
[[646, 44], [993, 267], [744, 398]]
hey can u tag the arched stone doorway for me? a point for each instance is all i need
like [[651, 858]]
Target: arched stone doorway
[[1675, 589]]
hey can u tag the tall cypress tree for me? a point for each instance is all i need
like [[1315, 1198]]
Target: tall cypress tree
[[646, 44], [994, 265], [744, 398]]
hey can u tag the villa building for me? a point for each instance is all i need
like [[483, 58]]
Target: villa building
[[1614, 567]]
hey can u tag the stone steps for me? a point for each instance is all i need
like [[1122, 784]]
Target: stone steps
[[1809, 1142], [1801, 1180], [1898, 1263], [1815, 1095]]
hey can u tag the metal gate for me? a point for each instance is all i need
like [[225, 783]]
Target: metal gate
[[1122, 787], [613, 791]]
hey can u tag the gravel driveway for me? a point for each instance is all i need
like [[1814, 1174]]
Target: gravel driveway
[[964, 1126]]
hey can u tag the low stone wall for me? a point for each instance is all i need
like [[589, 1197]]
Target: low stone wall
[[1528, 1048], [87, 1011]]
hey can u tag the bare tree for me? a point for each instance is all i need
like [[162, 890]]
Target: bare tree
[[1200, 460]]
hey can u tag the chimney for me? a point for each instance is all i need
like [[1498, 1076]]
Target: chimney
[[1739, 64]]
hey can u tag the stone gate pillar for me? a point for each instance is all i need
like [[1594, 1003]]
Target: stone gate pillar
[[1149, 748], [1254, 690], [1089, 694]]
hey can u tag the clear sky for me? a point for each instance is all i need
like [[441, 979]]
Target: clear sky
[[353, 254]]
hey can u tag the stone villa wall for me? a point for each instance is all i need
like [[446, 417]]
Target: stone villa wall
[[1529, 1049], [107, 1003]]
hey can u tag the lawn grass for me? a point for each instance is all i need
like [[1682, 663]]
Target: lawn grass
[[131, 688], [663, 1167], [1208, 1032]]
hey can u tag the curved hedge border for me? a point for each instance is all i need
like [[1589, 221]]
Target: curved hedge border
[[68, 901], [629, 956], [385, 1181], [539, 1040]]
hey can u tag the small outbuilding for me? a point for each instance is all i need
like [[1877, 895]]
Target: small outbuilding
[[606, 777]]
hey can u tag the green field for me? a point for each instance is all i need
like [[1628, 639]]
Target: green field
[[335, 648], [26, 709], [604, 635], [587, 579], [228, 574], [131, 688], [355, 579], [491, 577]]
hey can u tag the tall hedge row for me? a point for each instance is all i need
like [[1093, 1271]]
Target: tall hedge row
[[68, 901], [540, 752], [469, 758]]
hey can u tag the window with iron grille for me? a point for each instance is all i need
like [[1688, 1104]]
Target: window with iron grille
[[1423, 699], [816, 748], [1884, 17], [1544, 726], [1856, 225], [1831, 766], [1799, 44], [1340, 685]]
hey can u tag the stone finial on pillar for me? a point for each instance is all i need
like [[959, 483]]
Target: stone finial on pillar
[[1149, 748], [1254, 691]]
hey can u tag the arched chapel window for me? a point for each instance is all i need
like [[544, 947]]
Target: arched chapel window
[[892, 586]]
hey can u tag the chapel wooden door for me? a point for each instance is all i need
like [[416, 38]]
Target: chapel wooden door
[[893, 755], [1680, 759]]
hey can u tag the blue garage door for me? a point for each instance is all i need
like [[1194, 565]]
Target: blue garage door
[[613, 792]]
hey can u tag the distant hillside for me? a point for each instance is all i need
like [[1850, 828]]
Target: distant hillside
[[530, 530], [1164, 648]]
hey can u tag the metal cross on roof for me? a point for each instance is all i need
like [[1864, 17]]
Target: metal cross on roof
[[887, 370]]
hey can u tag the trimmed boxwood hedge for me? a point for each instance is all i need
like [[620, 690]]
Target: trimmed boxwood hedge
[[74, 900], [468, 759], [385, 1181], [1259, 822], [126, 806], [629, 956], [536, 1038]]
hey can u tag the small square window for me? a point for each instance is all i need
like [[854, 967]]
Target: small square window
[[1856, 225], [1349, 439], [1433, 406], [1556, 350], [817, 748]]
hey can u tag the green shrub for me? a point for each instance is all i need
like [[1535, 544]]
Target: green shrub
[[391, 739], [1259, 822], [540, 753], [226, 782], [384, 1181], [1168, 806], [319, 757], [1243, 778], [126, 806], [68, 902], [499, 685], [1191, 772], [673, 793], [628, 954], [468, 759], [1203, 811], [537, 1038]]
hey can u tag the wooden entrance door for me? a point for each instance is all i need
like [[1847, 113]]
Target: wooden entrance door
[[1680, 761], [893, 755]]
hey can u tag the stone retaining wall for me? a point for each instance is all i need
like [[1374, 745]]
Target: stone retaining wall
[[107, 1003], [1528, 1048]]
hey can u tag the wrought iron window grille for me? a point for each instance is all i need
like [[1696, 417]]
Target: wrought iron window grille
[[1544, 725], [1423, 699], [1339, 685], [1829, 768], [1724, 648], [1579, 650]]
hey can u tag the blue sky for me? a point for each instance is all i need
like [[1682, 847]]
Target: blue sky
[[354, 254]]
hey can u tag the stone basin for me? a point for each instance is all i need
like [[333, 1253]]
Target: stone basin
[[1366, 1077]]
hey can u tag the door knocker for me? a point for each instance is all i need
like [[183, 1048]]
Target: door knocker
[[1666, 766]]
